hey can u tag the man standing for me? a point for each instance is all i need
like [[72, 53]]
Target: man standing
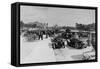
[[40, 35], [46, 34]]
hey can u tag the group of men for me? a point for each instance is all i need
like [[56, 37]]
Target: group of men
[[48, 33]]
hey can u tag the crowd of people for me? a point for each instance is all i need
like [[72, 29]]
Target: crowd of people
[[38, 34]]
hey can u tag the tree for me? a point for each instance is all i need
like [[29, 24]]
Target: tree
[[80, 26], [85, 27]]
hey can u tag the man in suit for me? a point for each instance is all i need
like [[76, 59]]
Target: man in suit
[[40, 35]]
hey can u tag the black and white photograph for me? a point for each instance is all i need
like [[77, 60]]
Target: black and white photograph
[[52, 34]]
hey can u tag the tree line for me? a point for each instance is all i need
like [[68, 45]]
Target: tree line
[[88, 27]]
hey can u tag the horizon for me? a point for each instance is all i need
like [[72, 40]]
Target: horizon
[[55, 24]]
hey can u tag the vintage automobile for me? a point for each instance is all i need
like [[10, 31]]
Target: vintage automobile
[[72, 42], [57, 43], [75, 43]]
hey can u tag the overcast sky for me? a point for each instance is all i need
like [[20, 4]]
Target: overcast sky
[[60, 16]]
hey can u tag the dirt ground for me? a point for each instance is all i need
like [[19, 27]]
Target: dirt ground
[[40, 51]]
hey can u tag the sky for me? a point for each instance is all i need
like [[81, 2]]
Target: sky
[[54, 15]]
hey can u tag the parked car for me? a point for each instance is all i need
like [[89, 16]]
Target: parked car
[[57, 43], [75, 43]]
